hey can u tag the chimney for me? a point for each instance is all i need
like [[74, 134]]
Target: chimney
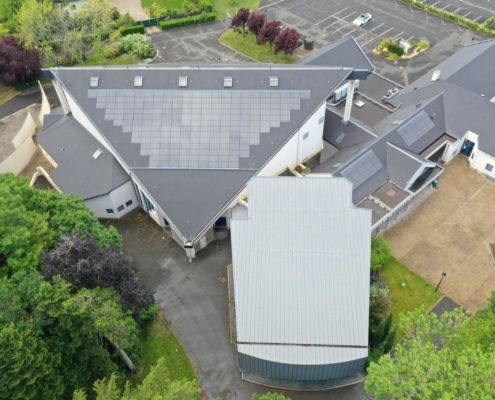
[[348, 101]]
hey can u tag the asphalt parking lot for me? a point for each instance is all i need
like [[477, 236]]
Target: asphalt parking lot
[[329, 21]]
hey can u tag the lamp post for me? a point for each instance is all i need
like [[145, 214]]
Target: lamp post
[[444, 274]]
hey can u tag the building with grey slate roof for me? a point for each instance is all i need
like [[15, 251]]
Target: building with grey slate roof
[[301, 286], [184, 139]]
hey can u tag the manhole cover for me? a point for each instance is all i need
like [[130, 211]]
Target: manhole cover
[[222, 279], [189, 275]]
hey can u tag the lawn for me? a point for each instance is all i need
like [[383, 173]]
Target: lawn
[[224, 8], [124, 59], [174, 5], [159, 341], [408, 297], [246, 44]]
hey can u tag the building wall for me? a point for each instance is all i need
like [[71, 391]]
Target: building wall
[[116, 198], [299, 147], [249, 364], [482, 162]]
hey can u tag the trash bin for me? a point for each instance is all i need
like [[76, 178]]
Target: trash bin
[[309, 44], [434, 183]]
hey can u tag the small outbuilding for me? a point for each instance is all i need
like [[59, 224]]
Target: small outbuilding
[[301, 273]]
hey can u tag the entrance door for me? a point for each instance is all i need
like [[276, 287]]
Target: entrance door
[[467, 148]]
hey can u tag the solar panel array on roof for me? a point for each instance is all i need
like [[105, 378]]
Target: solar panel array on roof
[[415, 128], [363, 168], [202, 129]]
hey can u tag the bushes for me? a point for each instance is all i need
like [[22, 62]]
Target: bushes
[[137, 44], [187, 21], [131, 30]]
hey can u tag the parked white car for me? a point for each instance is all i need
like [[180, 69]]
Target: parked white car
[[362, 20]]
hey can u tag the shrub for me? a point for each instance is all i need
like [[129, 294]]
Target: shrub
[[269, 32], [16, 64], [156, 11], [286, 41], [149, 314], [187, 21], [132, 30], [256, 22], [137, 44], [188, 6], [423, 44], [124, 21], [112, 50], [395, 49], [205, 5]]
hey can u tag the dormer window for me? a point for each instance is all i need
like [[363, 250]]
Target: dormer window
[[182, 81], [93, 81], [97, 154], [138, 81], [227, 81], [273, 81]]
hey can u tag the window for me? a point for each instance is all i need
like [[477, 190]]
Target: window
[[340, 138], [129, 203], [166, 222], [306, 135], [109, 211], [120, 208], [321, 120], [489, 167], [149, 205]]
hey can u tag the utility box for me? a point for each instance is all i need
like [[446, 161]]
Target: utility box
[[309, 44]]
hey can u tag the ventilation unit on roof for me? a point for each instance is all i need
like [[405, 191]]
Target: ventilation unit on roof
[[93, 81], [97, 154], [273, 81], [227, 81], [138, 81], [436, 75], [182, 81]]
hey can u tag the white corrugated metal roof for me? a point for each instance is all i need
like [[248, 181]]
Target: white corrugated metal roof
[[301, 267]]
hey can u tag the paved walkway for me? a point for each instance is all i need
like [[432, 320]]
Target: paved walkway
[[450, 232]]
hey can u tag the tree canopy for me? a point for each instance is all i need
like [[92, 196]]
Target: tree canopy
[[156, 386], [16, 64], [76, 330], [436, 360], [286, 41], [34, 220], [269, 32], [240, 20]]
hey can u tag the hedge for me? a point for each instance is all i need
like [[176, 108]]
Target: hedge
[[129, 30], [187, 21], [475, 26]]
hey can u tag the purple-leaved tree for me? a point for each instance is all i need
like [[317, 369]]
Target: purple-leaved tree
[[16, 64], [256, 22], [286, 41], [240, 20], [269, 32]]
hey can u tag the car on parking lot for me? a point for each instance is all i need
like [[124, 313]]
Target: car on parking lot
[[362, 20]]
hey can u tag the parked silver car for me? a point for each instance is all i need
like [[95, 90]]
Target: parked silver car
[[362, 20]]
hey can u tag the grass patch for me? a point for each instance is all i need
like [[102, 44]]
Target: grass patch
[[7, 93], [225, 7], [159, 341], [407, 298], [492, 249], [124, 59], [175, 5], [246, 44]]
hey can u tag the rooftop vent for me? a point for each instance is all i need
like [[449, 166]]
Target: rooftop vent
[[492, 99], [227, 81], [138, 81], [182, 81], [97, 154], [273, 81], [436, 75], [93, 81]]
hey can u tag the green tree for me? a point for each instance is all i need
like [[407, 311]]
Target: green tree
[[37, 24], [380, 252], [34, 220], [28, 369], [156, 385], [432, 362], [8, 10]]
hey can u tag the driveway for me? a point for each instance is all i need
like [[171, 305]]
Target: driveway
[[195, 302], [450, 232]]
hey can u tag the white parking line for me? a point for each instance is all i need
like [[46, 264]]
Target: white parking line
[[376, 27], [269, 5], [340, 19], [448, 5], [454, 12], [411, 38], [369, 41], [477, 19], [330, 16], [396, 36], [383, 33], [434, 4], [474, 5], [464, 16]]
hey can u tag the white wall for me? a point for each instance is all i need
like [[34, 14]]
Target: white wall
[[451, 151], [480, 162], [298, 149], [117, 197], [24, 148]]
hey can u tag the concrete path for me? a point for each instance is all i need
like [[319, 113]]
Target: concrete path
[[445, 304], [133, 7]]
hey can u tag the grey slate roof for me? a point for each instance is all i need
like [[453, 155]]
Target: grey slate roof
[[294, 289], [402, 165], [164, 133], [72, 147], [345, 52], [412, 117]]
